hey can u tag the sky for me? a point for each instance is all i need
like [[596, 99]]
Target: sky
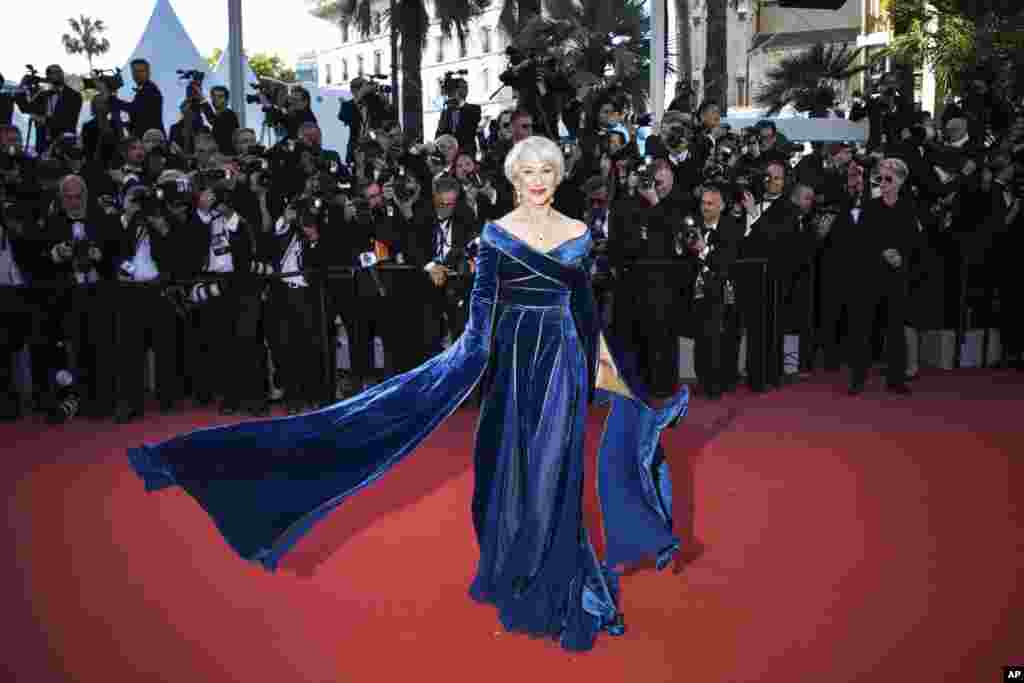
[[283, 27]]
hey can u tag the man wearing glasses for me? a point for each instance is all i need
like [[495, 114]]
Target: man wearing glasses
[[881, 257]]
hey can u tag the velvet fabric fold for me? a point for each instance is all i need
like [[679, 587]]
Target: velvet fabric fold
[[532, 338]]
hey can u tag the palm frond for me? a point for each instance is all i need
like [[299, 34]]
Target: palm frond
[[807, 79]]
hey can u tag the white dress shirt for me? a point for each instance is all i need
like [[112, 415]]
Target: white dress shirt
[[220, 230]]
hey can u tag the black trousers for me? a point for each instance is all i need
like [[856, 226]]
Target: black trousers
[[656, 342], [829, 337], [295, 327], [17, 320], [143, 312], [890, 287], [228, 356], [715, 330], [89, 328], [756, 298]]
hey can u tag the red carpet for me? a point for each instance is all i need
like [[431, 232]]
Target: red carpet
[[875, 538]]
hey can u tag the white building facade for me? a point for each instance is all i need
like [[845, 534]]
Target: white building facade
[[482, 55]]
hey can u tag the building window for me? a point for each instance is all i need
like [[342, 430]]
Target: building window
[[360, 70], [485, 40], [378, 62], [344, 32], [328, 74], [440, 49], [376, 23], [463, 48], [485, 78], [344, 71], [741, 92]]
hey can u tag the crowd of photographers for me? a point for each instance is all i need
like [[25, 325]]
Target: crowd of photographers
[[229, 258]]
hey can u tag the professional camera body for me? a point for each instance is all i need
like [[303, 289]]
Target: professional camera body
[[450, 82], [111, 79], [644, 170], [381, 88], [32, 82], [194, 87]]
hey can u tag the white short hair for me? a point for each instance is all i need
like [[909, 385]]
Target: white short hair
[[536, 149], [898, 166]]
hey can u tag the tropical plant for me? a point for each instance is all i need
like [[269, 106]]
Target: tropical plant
[[86, 38], [808, 79], [214, 58], [600, 41], [271, 66], [716, 67], [412, 22]]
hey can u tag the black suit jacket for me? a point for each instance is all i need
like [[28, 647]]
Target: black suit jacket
[[65, 114], [6, 109], [224, 126], [100, 229], [146, 111], [465, 132]]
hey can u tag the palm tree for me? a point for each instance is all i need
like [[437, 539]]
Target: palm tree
[[410, 19], [716, 67], [808, 79], [607, 40], [85, 38], [684, 60]]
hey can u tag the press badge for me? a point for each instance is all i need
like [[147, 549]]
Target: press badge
[[368, 259]]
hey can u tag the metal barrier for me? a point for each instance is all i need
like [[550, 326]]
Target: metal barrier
[[346, 276]]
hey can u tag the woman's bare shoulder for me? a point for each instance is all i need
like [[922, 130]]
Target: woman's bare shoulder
[[573, 228]]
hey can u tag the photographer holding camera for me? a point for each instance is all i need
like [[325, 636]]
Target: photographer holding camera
[[53, 106], [221, 119], [294, 312], [539, 82], [644, 224], [459, 118], [146, 110], [78, 246], [224, 245], [366, 111], [153, 246]]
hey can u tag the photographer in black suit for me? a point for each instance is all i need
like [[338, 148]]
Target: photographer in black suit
[[646, 226], [447, 229], [221, 119], [54, 109], [459, 118], [713, 246], [146, 110], [366, 111]]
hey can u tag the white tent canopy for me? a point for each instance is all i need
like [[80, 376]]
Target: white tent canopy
[[166, 45]]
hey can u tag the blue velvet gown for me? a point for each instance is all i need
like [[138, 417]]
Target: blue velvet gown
[[532, 337]]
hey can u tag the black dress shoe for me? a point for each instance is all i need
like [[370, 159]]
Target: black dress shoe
[[228, 409], [898, 388], [258, 409], [167, 407], [856, 388], [126, 414]]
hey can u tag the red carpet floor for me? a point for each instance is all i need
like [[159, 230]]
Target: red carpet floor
[[875, 538]]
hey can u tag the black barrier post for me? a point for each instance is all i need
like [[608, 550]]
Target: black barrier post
[[961, 324]]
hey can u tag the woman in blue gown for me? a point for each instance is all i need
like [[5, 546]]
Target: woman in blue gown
[[534, 339]]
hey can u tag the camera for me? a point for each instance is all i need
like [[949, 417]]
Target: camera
[[645, 173], [451, 80], [110, 78], [437, 157], [32, 81], [255, 99], [195, 83], [384, 87]]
